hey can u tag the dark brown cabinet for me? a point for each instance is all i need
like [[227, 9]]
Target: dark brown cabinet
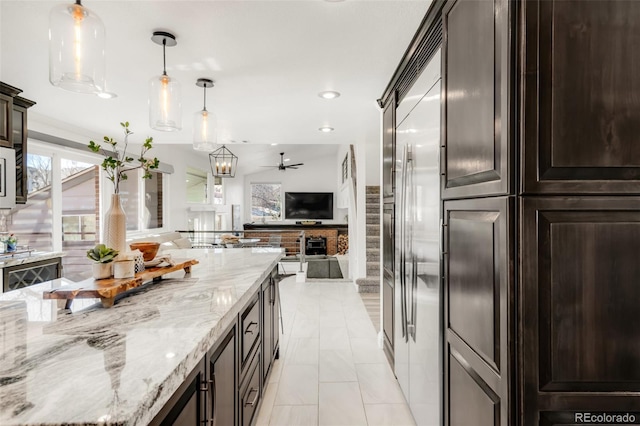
[[579, 295], [7, 93], [250, 391], [186, 406], [20, 106], [479, 294], [475, 75], [540, 169], [270, 323], [581, 132], [226, 387], [222, 380], [13, 133]]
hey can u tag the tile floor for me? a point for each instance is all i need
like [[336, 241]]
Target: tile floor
[[330, 371]]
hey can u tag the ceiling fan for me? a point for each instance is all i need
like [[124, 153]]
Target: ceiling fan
[[284, 167]]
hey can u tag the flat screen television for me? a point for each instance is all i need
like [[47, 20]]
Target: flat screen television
[[308, 205]]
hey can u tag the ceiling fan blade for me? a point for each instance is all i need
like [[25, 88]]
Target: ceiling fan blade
[[297, 164]]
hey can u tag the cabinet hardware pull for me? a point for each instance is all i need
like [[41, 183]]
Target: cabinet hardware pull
[[248, 329], [255, 398]]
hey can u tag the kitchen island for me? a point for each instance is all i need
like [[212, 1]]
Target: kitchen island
[[123, 365]]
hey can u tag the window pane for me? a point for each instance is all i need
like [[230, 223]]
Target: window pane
[[217, 191], [153, 201], [80, 205], [266, 201], [129, 199], [32, 222], [196, 186], [38, 172]]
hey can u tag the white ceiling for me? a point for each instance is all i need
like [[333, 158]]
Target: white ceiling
[[269, 60]]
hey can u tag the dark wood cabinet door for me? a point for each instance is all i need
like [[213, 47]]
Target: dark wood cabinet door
[[579, 319], [479, 306], [477, 156], [389, 148], [185, 407], [6, 120], [580, 109], [267, 325], [223, 382], [19, 125]]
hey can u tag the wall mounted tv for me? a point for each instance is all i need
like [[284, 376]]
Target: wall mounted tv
[[308, 205]]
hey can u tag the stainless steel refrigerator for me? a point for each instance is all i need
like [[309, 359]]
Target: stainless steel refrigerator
[[418, 284]]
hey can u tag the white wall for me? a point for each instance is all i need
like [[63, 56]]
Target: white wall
[[318, 175]]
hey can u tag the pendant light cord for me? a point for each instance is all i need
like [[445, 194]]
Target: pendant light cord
[[164, 56], [205, 97]]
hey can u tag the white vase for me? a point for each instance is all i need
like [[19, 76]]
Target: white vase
[[101, 270], [115, 226]]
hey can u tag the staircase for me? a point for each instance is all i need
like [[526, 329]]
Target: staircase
[[371, 283]]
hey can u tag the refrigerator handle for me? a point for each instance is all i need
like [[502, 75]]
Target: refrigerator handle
[[403, 245], [410, 259]]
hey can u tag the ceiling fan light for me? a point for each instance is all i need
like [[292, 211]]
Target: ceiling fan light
[[165, 107], [76, 49]]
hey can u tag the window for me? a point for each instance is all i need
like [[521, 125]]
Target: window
[[217, 190], [79, 228], [142, 201], [345, 168], [196, 186], [266, 201]]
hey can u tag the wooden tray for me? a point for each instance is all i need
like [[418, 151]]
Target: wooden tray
[[106, 290]]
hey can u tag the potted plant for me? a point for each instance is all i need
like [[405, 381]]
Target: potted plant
[[11, 242], [102, 257], [117, 162]]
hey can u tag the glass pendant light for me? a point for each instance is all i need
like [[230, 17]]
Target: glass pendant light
[[76, 49], [165, 109], [205, 123]]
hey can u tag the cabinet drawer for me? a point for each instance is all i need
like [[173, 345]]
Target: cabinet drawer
[[249, 328], [251, 392]]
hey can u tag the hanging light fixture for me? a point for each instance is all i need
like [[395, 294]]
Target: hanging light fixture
[[223, 163], [164, 92], [76, 49], [205, 123]]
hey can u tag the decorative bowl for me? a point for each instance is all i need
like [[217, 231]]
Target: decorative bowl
[[148, 249]]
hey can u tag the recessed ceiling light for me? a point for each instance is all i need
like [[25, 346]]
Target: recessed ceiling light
[[287, 159], [329, 94], [326, 129], [274, 144]]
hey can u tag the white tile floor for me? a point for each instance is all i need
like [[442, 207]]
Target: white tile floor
[[330, 371]]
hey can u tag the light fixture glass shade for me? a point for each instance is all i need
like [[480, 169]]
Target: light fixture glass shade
[[205, 129], [165, 108], [76, 49], [223, 163]]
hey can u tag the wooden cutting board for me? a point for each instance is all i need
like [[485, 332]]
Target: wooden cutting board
[[106, 290]]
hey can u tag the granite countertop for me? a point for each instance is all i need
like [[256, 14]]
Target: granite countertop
[[119, 365], [8, 259]]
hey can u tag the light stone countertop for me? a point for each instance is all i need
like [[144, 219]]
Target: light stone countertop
[[21, 259], [119, 365]]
